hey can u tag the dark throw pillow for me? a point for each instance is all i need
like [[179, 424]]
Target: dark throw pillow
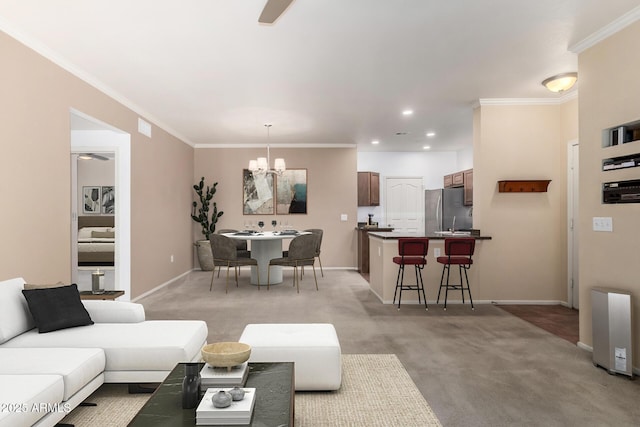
[[56, 308]]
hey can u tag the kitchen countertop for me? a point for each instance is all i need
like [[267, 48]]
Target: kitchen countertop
[[396, 235]]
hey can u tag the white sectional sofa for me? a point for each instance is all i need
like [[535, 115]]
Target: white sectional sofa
[[45, 375]]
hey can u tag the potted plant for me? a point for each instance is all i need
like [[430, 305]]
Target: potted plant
[[200, 214]]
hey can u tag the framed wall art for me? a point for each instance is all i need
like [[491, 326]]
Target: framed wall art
[[91, 200], [291, 192], [258, 193], [108, 200]]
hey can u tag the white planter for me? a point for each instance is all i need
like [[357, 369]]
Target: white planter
[[205, 257]]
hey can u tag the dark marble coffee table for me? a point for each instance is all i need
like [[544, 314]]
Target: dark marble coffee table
[[274, 384]]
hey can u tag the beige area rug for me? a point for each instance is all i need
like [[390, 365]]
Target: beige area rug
[[376, 391]]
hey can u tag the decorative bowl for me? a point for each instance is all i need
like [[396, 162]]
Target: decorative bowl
[[226, 354]]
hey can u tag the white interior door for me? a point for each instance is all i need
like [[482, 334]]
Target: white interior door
[[572, 238], [404, 204]]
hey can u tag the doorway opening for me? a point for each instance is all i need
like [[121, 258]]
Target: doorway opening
[[101, 205]]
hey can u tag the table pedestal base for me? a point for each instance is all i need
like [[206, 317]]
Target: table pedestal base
[[264, 251]]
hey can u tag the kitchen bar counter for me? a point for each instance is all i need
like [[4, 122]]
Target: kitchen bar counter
[[396, 235], [383, 246]]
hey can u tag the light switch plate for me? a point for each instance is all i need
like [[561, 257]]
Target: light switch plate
[[436, 252], [602, 223], [343, 217]]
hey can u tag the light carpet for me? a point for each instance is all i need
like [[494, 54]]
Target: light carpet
[[376, 391]]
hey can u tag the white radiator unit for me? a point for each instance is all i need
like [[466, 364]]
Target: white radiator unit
[[612, 334]]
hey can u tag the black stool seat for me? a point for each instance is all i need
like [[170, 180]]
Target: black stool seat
[[411, 251], [458, 251]]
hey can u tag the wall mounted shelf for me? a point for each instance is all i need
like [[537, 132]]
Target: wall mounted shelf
[[524, 186]]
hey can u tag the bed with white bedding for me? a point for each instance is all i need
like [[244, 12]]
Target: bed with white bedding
[[96, 240]]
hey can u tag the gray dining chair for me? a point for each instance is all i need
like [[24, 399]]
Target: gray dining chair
[[241, 246], [225, 253], [318, 232], [302, 250]]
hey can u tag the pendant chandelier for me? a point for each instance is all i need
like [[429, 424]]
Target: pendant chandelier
[[261, 164]]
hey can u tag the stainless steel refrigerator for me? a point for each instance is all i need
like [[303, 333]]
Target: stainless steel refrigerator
[[442, 206]]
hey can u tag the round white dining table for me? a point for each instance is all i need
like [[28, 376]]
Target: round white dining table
[[265, 246]]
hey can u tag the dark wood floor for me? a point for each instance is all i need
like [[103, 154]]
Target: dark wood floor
[[556, 319]]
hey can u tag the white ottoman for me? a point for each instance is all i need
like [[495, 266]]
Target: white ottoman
[[313, 347]]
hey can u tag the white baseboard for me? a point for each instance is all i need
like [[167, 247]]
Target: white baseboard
[[526, 302], [157, 288]]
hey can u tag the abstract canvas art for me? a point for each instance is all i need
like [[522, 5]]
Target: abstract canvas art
[[291, 192], [258, 193]]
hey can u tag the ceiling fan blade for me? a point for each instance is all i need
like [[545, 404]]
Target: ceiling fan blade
[[272, 10]]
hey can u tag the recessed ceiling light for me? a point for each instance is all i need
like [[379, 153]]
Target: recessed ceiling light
[[426, 147], [431, 134], [407, 112], [375, 142]]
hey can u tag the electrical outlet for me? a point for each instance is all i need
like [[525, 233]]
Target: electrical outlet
[[436, 252]]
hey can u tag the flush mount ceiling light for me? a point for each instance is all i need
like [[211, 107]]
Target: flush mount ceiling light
[[407, 112], [261, 165], [375, 142], [426, 147], [431, 134], [561, 82]]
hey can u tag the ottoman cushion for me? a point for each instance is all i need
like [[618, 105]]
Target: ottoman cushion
[[313, 347]]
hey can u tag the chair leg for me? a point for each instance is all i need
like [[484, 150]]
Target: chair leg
[[468, 288], [226, 287], [258, 276], [401, 284], [212, 276], [397, 285], [441, 279], [420, 285], [446, 289], [314, 276], [296, 281], [320, 262], [268, 276]]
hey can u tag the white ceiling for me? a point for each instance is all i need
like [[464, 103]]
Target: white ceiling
[[327, 72]]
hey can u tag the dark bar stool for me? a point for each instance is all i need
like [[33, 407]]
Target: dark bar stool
[[411, 251], [458, 251]]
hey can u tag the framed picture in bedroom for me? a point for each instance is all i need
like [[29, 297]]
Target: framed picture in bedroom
[[108, 200], [291, 192], [91, 200]]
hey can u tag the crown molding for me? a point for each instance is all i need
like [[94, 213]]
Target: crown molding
[[608, 30], [276, 145], [63, 63], [526, 101]]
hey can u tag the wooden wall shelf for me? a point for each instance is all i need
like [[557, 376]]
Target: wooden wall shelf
[[524, 186]]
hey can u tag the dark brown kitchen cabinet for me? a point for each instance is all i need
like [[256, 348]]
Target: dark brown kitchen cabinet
[[468, 187], [363, 247], [454, 180], [368, 189]]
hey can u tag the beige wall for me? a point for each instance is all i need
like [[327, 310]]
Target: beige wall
[[331, 187], [609, 89], [35, 177], [526, 258]]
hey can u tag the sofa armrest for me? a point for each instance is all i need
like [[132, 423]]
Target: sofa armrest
[[102, 311]]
